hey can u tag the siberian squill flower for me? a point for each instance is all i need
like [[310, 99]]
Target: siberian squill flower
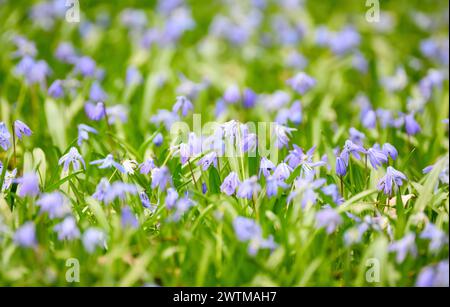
[[437, 237], [28, 185], [54, 204], [21, 129], [369, 119], [25, 236], [356, 136], [351, 148], [119, 190], [341, 167], [67, 229], [129, 165], [249, 98], [248, 230], [273, 184], [158, 140], [102, 187], [230, 183], [9, 178], [133, 76], [391, 180], [328, 218], [434, 275], [95, 111], [390, 151], [232, 94], [301, 83], [109, 162], [166, 117], [146, 202], [376, 157], [66, 53], [160, 177], [4, 137], [282, 171], [93, 238], [306, 188], [147, 166], [281, 134], [72, 157], [443, 175], [265, 167], [171, 198], [128, 219], [56, 89], [86, 66], [182, 104], [248, 188], [411, 125], [83, 133], [333, 191], [97, 93], [208, 159], [181, 207], [117, 113], [403, 247]]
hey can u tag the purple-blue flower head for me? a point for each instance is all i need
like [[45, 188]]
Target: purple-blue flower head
[[266, 166], [83, 133], [67, 229], [230, 183], [5, 136], [56, 89], [160, 178], [328, 218], [25, 236], [128, 219], [93, 238], [248, 188], [411, 125], [182, 105], [437, 237], [369, 119], [133, 76], [341, 166], [108, 162], [158, 140], [66, 53], [273, 184], [403, 247], [28, 185], [165, 117], [86, 66], [21, 129], [390, 151], [208, 159], [356, 136], [95, 111], [147, 166], [54, 204], [97, 93], [249, 98], [74, 158], [232, 94], [281, 134], [434, 275], [246, 229], [171, 198], [389, 182], [282, 171], [301, 83], [376, 157]]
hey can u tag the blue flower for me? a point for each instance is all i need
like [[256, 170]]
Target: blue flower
[[133, 76], [391, 180], [249, 98], [182, 206], [230, 183], [341, 167], [356, 136], [208, 159], [171, 198], [247, 230], [54, 204], [166, 117], [265, 167], [328, 218], [232, 94], [147, 166], [281, 134], [25, 236], [96, 93], [66, 53], [67, 229], [282, 171], [95, 112], [390, 150], [72, 157], [93, 238], [28, 185], [273, 184], [83, 133], [21, 129], [86, 66], [109, 162], [437, 237], [411, 126], [403, 247], [158, 140], [376, 157], [4, 136], [128, 219], [160, 177], [56, 89], [182, 104], [249, 142], [301, 83], [351, 148], [434, 275], [248, 188], [369, 119]]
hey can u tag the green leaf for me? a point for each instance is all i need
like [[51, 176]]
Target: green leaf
[[214, 181]]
